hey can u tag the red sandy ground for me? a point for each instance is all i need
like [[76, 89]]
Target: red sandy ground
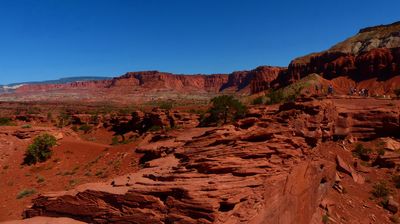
[[74, 162]]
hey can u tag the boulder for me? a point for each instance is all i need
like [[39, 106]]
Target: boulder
[[391, 144], [392, 205]]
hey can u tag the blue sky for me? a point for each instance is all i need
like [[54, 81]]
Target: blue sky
[[47, 39]]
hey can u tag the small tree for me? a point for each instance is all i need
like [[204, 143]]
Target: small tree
[[40, 149], [361, 152], [275, 96], [224, 108]]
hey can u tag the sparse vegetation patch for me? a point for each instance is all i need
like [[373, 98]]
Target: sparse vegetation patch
[[40, 149], [26, 193]]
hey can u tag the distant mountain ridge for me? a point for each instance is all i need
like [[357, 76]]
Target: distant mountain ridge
[[9, 88], [62, 80]]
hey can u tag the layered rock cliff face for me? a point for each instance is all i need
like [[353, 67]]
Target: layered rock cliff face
[[98, 84], [246, 81], [159, 80], [373, 53]]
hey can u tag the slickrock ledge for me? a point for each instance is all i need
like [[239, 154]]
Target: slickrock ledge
[[261, 170]]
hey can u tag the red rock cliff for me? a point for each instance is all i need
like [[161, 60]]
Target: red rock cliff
[[373, 53], [252, 81]]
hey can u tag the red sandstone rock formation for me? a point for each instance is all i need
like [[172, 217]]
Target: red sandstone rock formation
[[374, 53], [246, 81], [262, 170]]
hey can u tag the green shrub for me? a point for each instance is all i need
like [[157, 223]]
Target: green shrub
[[224, 109], [325, 219], [49, 116], [166, 105], [25, 193], [288, 94], [155, 128], [64, 119], [26, 126], [114, 140], [40, 179], [40, 149], [381, 151], [275, 96], [380, 190], [257, 101], [5, 121], [94, 119], [361, 152], [85, 128]]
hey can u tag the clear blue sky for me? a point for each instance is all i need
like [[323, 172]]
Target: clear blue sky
[[46, 39]]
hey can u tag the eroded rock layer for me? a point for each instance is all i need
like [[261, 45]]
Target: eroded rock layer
[[374, 53], [261, 170]]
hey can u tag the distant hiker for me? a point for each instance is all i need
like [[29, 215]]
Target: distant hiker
[[366, 92], [317, 88], [330, 89]]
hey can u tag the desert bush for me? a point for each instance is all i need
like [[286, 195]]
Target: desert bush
[[361, 152], [380, 190], [275, 96], [257, 101], [85, 128], [166, 105], [94, 119], [49, 116], [114, 140], [325, 219], [224, 108], [40, 149], [5, 121], [155, 128], [64, 119], [26, 126], [40, 179], [25, 193], [288, 94]]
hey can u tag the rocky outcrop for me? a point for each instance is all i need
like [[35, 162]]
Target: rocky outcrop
[[374, 53], [380, 63], [332, 119], [242, 173], [254, 81], [232, 174]]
